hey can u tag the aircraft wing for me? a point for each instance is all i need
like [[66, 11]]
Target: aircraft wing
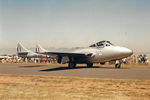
[[41, 50], [65, 54]]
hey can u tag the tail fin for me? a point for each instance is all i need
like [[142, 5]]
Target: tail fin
[[21, 48], [25, 53], [39, 49]]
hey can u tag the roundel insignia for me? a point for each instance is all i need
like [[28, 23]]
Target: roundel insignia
[[20, 49]]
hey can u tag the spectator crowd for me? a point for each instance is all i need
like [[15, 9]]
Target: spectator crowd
[[135, 59]]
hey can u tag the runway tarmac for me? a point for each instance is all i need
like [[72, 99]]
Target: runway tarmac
[[81, 71]]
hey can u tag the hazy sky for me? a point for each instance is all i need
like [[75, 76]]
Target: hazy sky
[[71, 23]]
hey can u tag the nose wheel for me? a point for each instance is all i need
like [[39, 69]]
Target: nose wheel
[[118, 64]]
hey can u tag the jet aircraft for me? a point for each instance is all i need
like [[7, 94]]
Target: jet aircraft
[[100, 52]]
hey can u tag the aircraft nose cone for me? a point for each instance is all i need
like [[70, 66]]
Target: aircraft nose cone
[[126, 51], [129, 52]]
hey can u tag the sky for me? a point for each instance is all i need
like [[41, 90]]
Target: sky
[[75, 23]]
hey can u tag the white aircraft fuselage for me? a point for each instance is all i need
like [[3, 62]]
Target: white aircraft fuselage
[[105, 54]]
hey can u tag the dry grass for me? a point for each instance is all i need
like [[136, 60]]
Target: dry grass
[[20, 87]]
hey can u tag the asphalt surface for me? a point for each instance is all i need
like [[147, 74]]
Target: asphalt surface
[[81, 71]]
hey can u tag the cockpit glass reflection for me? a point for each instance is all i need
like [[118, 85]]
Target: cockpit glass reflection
[[101, 44]]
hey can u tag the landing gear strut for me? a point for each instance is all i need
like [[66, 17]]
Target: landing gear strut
[[71, 63]]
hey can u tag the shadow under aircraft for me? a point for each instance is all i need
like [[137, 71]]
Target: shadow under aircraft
[[79, 67]]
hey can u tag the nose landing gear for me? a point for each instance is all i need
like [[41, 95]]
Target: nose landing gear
[[118, 64]]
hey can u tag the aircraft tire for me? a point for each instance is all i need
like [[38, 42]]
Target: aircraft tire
[[117, 65], [89, 65], [71, 65]]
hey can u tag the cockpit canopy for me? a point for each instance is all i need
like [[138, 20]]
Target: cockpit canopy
[[101, 44]]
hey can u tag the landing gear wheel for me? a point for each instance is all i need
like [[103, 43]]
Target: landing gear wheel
[[89, 65], [71, 65], [117, 65]]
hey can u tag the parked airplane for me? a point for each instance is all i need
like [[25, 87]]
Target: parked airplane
[[100, 52], [25, 53]]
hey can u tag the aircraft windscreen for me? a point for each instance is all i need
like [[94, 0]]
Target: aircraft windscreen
[[93, 45], [101, 44], [109, 42]]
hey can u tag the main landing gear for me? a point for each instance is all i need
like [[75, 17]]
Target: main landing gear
[[89, 65], [71, 65]]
